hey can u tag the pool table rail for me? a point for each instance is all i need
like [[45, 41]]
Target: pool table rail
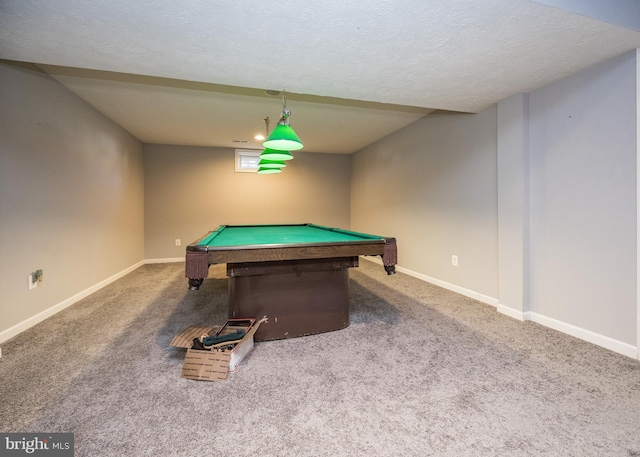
[[201, 254]]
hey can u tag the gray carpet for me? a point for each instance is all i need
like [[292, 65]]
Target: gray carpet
[[420, 371]]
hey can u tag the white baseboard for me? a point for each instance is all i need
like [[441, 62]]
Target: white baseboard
[[519, 315], [452, 287], [36, 319], [168, 260], [585, 335]]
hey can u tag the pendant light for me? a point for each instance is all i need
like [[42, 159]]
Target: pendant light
[[273, 154], [272, 161], [264, 163], [283, 137], [269, 171]]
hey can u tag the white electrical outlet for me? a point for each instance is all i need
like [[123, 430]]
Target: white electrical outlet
[[454, 260], [177, 241]]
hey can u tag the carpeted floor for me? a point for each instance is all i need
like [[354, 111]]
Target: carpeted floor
[[420, 371]]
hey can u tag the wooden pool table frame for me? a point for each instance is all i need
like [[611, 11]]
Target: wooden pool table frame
[[303, 288]]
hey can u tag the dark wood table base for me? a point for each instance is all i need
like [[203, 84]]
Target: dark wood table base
[[299, 297]]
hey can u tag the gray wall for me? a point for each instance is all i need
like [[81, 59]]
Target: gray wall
[[192, 190], [539, 205], [432, 185], [513, 206], [71, 196], [583, 200]]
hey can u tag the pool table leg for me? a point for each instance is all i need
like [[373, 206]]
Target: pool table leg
[[195, 283]]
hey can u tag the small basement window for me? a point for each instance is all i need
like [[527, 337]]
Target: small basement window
[[247, 160]]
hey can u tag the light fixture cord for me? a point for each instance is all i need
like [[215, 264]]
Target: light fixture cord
[[286, 112]]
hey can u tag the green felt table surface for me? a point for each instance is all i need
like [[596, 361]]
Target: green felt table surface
[[281, 234]]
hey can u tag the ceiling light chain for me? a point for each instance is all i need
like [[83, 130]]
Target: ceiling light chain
[[286, 112]]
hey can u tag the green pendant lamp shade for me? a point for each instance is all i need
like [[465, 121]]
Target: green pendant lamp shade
[[266, 167], [269, 171], [264, 163], [283, 138], [272, 154]]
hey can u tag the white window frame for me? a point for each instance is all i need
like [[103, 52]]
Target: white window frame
[[247, 160]]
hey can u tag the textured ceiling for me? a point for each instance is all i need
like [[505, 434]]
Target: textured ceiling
[[348, 68]]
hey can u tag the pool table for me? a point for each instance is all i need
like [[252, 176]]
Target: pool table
[[295, 274]]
